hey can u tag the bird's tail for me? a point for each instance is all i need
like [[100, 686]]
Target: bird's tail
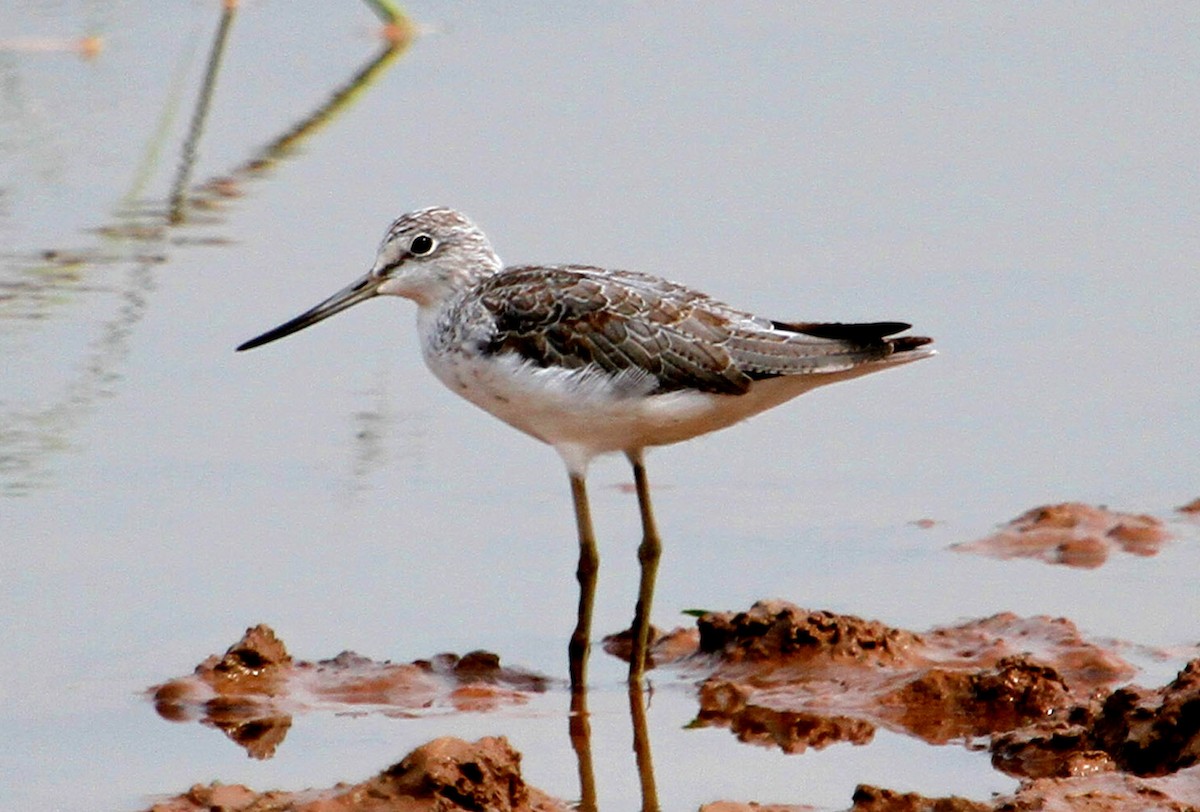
[[911, 347], [877, 338]]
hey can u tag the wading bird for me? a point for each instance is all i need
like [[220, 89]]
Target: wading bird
[[594, 361]]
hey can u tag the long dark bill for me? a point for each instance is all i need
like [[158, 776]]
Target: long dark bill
[[359, 291]]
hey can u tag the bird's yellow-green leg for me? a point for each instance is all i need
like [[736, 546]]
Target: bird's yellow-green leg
[[649, 552], [589, 565]]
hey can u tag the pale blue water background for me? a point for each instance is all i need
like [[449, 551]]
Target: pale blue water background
[[1022, 184]]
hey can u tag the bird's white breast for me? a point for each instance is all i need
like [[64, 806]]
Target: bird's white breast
[[587, 412]]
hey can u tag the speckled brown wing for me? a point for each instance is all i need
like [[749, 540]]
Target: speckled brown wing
[[574, 316]]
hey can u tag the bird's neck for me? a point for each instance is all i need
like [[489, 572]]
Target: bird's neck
[[433, 291]]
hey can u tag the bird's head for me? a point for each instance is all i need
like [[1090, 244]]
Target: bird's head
[[427, 255]]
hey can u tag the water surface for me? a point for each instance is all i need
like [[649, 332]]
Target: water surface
[[1022, 186]]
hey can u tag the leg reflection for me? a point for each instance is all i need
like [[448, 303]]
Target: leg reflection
[[641, 747], [581, 741]]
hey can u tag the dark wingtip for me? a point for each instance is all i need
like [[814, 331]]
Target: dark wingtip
[[862, 333], [905, 343]]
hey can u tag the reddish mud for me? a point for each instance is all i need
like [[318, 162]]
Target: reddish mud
[[251, 692], [1073, 534], [1147, 732], [876, 799], [1033, 691], [1191, 507], [734, 806], [445, 775], [665, 647], [1039, 695], [786, 677], [1104, 792], [1112, 792]]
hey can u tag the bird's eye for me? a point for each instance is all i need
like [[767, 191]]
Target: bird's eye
[[421, 245]]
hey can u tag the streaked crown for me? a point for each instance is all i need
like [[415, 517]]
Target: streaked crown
[[432, 253]]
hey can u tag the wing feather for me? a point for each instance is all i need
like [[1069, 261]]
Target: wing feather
[[577, 316]]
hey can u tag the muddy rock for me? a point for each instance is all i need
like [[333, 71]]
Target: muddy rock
[[782, 632], [664, 648], [1153, 732], [1061, 750], [252, 692], [941, 704], [782, 676], [482, 775], [253, 665], [1073, 534], [1106, 792], [1138, 730], [875, 799], [752, 806], [1086, 667], [445, 775]]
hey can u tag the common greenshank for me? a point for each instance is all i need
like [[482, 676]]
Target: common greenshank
[[594, 361]]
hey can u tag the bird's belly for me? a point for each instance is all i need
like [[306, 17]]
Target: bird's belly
[[585, 412]]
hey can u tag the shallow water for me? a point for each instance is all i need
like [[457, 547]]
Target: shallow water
[[1022, 187]]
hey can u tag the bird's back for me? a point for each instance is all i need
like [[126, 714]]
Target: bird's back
[[597, 360], [576, 316]]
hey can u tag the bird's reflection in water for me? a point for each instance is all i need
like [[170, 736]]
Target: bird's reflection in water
[[580, 729], [638, 697]]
